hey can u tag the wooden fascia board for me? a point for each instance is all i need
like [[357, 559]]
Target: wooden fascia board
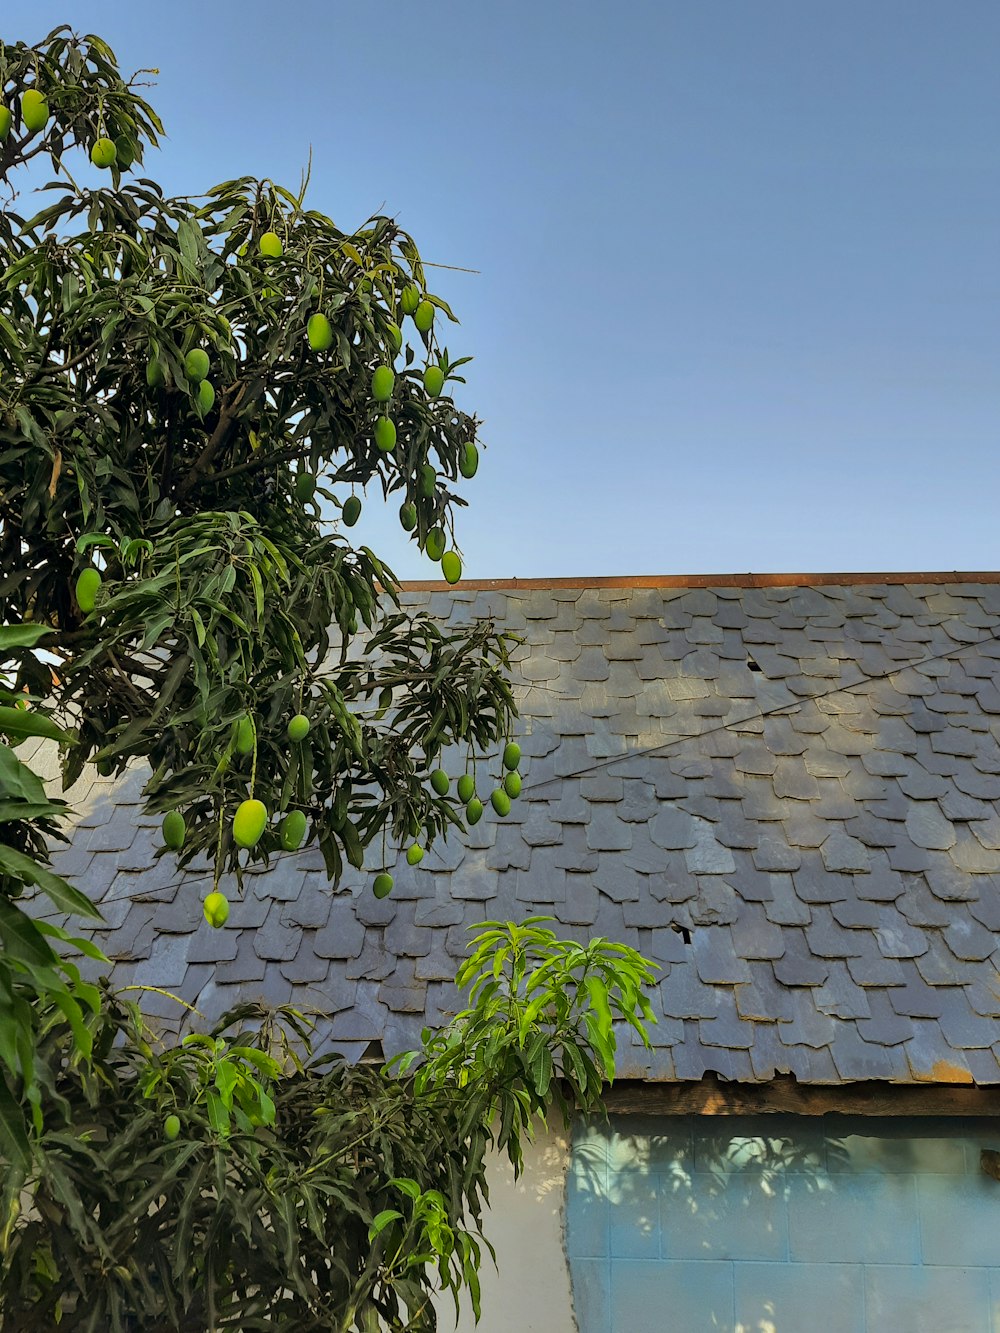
[[715, 1097]]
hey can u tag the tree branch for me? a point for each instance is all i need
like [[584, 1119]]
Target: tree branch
[[243, 394]]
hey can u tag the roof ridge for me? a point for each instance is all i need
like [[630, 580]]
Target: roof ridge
[[747, 580]]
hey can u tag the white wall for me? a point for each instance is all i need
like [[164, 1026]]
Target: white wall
[[531, 1290]]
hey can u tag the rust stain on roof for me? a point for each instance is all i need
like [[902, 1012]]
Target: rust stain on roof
[[943, 1071]]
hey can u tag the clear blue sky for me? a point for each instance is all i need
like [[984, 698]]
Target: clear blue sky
[[738, 305]]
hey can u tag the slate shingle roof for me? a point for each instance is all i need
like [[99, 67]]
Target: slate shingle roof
[[788, 797]]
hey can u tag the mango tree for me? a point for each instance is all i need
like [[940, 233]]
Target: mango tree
[[194, 395]]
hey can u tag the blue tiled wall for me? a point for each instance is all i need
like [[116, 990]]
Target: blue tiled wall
[[783, 1225]]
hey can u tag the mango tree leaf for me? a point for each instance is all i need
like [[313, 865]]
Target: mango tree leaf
[[22, 636], [13, 1134], [17, 779], [62, 894], [23, 722]]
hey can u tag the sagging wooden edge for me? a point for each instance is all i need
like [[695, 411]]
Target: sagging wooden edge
[[716, 1097]]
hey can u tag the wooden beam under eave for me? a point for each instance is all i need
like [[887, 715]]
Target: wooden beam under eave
[[714, 1096]]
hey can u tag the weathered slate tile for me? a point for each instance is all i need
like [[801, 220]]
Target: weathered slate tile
[[343, 936], [937, 965], [840, 996], [968, 939], [807, 1027], [828, 939], [857, 1059], [709, 856], [725, 1028], [754, 935], [799, 966], [715, 957]]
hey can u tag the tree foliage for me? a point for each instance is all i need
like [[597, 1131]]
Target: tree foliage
[[176, 432], [193, 392], [300, 1193]]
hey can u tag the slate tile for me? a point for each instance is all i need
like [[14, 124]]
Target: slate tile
[[673, 829], [871, 967], [592, 665], [885, 1027], [441, 910], [898, 939], [639, 804], [762, 999], [970, 855], [984, 995], [915, 999], [986, 908], [982, 786], [927, 826], [509, 852], [963, 1028], [579, 903], [969, 940], [181, 915], [958, 807], [820, 763], [842, 852], [756, 759], [858, 913], [644, 855], [840, 996], [606, 832], [245, 968], [732, 829], [920, 907], [920, 785], [306, 966], [908, 859], [773, 854], [799, 966], [803, 829], [273, 941], [785, 907], [857, 1059], [110, 837], [885, 764], [167, 965], [808, 1027], [715, 958], [668, 946], [827, 939], [937, 965], [693, 1061], [684, 995], [676, 884], [367, 1017], [754, 936], [402, 938], [987, 831], [709, 856], [833, 802], [983, 1065], [343, 936], [725, 1029], [436, 965], [311, 911], [814, 883], [886, 803], [715, 903], [214, 946]]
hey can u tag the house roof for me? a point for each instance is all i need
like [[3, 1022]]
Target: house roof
[[786, 793]]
